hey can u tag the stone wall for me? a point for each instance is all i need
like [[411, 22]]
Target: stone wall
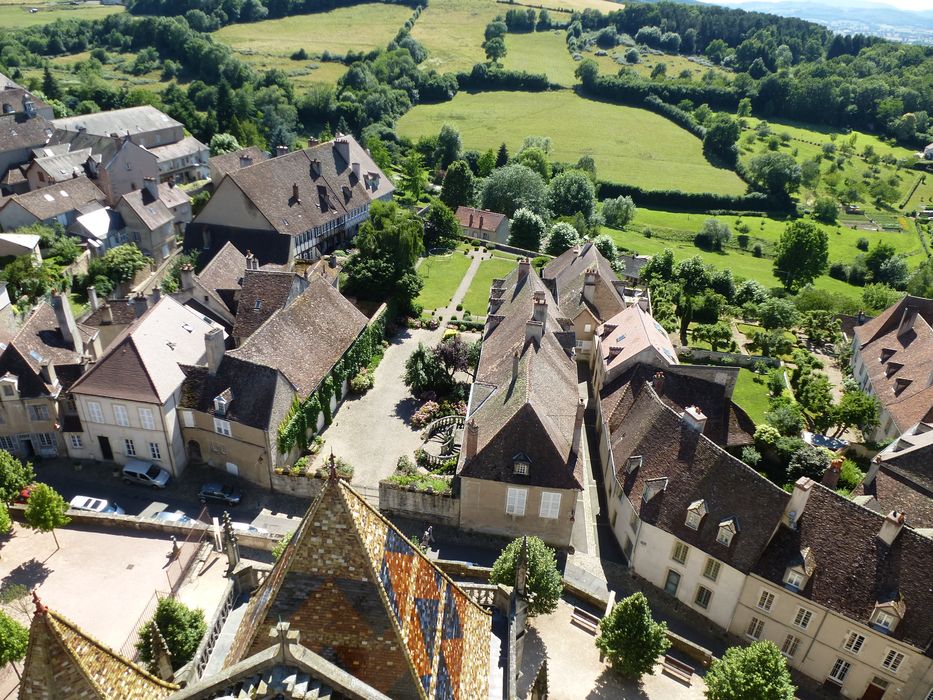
[[302, 486], [432, 507]]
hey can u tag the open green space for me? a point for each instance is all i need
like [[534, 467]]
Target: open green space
[[614, 60], [19, 15], [356, 28], [116, 71], [476, 300], [751, 395], [629, 145], [452, 32], [442, 275], [541, 52]]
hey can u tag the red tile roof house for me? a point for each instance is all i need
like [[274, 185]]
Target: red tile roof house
[[892, 359], [483, 224]]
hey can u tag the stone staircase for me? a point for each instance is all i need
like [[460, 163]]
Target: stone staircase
[[279, 682]]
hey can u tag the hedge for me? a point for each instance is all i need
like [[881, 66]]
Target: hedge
[[485, 77], [691, 201]]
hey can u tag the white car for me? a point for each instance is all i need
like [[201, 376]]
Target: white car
[[167, 516], [95, 505], [249, 529]]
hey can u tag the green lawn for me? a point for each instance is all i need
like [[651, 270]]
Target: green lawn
[[541, 52], [452, 32], [476, 300], [357, 28], [442, 275], [19, 16], [751, 396], [628, 144]]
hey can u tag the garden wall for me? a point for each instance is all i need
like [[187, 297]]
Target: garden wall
[[301, 486], [729, 358], [432, 507], [504, 247]]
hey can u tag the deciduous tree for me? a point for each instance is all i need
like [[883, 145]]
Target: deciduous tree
[[544, 582], [14, 476], [457, 190], [45, 510], [562, 237], [14, 639], [180, 626], [758, 671], [513, 187], [777, 173], [526, 230], [630, 638], [571, 192], [618, 212], [802, 254]]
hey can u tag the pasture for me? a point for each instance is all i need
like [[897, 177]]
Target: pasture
[[541, 52], [17, 16], [614, 60], [452, 32], [629, 145], [356, 28]]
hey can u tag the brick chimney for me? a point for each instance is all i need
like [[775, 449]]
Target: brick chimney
[[140, 304], [470, 439], [891, 527], [152, 187], [578, 426], [798, 501], [215, 348], [66, 323], [831, 475], [694, 418], [186, 273], [47, 369], [92, 298], [589, 284], [524, 265]]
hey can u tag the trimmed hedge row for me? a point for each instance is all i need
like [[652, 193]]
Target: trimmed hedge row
[[690, 201], [485, 77], [635, 90]]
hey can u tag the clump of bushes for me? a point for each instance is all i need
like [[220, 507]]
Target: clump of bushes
[[363, 381]]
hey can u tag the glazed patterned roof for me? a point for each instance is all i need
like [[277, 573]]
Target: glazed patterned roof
[[365, 598], [64, 662]]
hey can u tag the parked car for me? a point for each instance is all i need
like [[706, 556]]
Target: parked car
[[249, 529], [138, 472], [95, 505], [220, 493], [167, 516]]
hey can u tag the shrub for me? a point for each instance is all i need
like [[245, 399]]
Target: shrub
[[756, 250], [180, 626], [839, 270], [424, 415], [406, 466], [281, 545], [751, 456], [862, 243], [363, 381], [850, 475], [544, 582]]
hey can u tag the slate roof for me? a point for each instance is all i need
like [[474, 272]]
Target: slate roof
[[263, 293], [13, 94], [122, 311], [17, 132], [64, 166], [132, 120], [632, 264], [890, 490], [479, 219], [327, 186], [306, 338], [63, 661], [404, 627], [188, 146], [13, 176], [695, 468], [61, 198], [854, 569], [230, 162], [534, 413], [900, 366], [566, 275], [153, 212], [143, 363], [225, 272], [630, 332]]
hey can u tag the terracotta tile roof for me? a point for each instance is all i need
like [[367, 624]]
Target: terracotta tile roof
[[534, 412], [64, 662], [892, 491], [854, 569], [630, 333], [262, 294], [479, 219], [61, 198], [306, 338], [17, 132], [230, 162], [143, 363], [663, 447], [900, 365], [365, 598], [567, 275], [328, 187]]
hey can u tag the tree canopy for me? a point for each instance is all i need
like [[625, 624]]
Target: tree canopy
[[802, 254], [458, 187], [758, 671], [544, 582], [514, 187], [526, 230], [571, 192], [45, 510], [14, 476], [630, 638], [180, 626]]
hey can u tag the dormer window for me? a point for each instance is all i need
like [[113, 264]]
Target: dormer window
[[727, 530], [220, 406], [257, 305], [521, 464], [695, 514], [884, 619], [900, 384], [633, 463], [886, 354], [9, 387], [794, 580]]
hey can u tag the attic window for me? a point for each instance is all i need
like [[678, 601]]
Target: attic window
[[886, 354], [171, 345], [620, 338], [633, 463], [695, 514], [727, 530], [521, 464], [884, 619], [892, 369], [258, 304], [188, 327], [794, 580], [220, 406], [900, 384]]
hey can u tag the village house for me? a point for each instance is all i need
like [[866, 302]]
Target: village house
[[631, 337], [845, 594], [110, 318], [230, 411], [587, 292], [128, 401], [18, 244], [60, 203], [900, 478], [24, 125], [297, 205], [153, 216], [38, 365], [483, 224], [521, 464], [116, 164], [892, 359]]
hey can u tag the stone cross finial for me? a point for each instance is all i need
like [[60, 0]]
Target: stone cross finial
[[161, 656], [231, 546], [284, 635], [521, 568], [40, 608], [332, 466]]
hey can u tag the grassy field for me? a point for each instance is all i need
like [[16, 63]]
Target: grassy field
[[611, 63], [477, 297], [115, 71], [628, 144], [452, 32], [17, 16], [442, 275], [751, 396], [357, 28], [541, 52]]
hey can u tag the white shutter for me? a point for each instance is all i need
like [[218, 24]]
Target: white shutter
[[550, 505], [515, 501]]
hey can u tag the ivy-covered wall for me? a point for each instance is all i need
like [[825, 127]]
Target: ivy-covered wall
[[303, 415]]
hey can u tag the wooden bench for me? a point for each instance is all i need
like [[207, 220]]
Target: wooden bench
[[677, 669], [585, 621]]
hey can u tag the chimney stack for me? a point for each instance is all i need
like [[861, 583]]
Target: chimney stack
[[215, 348], [798, 501], [245, 161], [589, 285], [152, 187], [694, 418], [47, 370], [356, 170], [534, 330], [66, 323], [872, 470], [92, 298], [891, 527], [831, 475], [281, 151], [578, 426], [155, 295], [524, 265], [295, 195], [252, 262], [140, 304], [658, 383], [539, 312], [342, 146], [515, 359], [107, 312], [187, 277], [470, 439]]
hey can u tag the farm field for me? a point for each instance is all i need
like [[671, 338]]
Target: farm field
[[17, 16], [628, 144], [442, 275], [541, 52], [373, 26], [452, 32], [476, 300]]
